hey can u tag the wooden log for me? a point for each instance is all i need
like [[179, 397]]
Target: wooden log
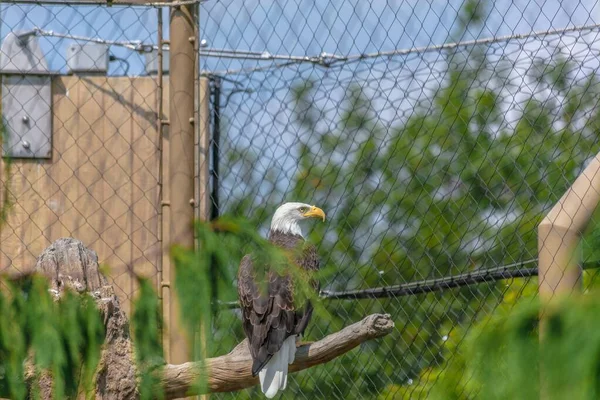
[[233, 371]]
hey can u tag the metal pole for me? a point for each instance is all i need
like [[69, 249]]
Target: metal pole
[[181, 156], [203, 194], [214, 212], [164, 266], [203, 209], [204, 205], [203, 175], [214, 173]]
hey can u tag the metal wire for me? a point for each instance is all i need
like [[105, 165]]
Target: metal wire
[[327, 60], [139, 46], [135, 45], [323, 59], [435, 285]]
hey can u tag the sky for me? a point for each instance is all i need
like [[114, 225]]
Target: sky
[[292, 27]]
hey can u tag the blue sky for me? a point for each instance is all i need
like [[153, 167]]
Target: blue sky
[[293, 27]]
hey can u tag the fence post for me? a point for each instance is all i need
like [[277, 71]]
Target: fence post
[[181, 156], [164, 263], [560, 231], [203, 187], [215, 148], [559, 234], [204, 141]]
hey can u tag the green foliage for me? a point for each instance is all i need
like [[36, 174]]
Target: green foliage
[[60, 338], [436, 378], [502, 357], [473, 12]]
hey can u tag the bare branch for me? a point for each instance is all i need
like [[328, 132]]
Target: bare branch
[[233, 371]]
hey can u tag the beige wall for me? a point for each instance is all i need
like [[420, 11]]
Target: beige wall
[[101, 185]]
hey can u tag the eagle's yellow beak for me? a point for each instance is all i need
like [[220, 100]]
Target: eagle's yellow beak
[[315, 212]]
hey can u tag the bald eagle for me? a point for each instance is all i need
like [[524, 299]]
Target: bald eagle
[[272, 319]]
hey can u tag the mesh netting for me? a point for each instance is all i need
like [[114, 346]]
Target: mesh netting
[[435, 147], [435, 135]]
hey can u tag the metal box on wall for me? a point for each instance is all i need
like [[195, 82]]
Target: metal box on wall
[[27, 117], [87, 58], [152, 62], [26, 98]]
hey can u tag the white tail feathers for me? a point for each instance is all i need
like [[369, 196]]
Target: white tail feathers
[[273, 376]]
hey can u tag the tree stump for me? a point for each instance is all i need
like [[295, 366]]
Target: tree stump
[[68, 264]]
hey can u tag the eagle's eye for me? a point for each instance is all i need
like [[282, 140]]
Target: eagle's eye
[[303, 209]]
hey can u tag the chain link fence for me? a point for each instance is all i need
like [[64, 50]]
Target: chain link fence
[[81, 152], [435, 135]]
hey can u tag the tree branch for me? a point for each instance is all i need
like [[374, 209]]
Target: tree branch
[[233, 371]]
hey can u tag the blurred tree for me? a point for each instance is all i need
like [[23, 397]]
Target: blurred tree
[[62, 339], [459, 185], [502, 357]]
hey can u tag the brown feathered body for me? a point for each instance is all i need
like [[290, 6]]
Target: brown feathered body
[[271, 315]]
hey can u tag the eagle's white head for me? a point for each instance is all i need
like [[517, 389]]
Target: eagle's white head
[[290, 217]]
